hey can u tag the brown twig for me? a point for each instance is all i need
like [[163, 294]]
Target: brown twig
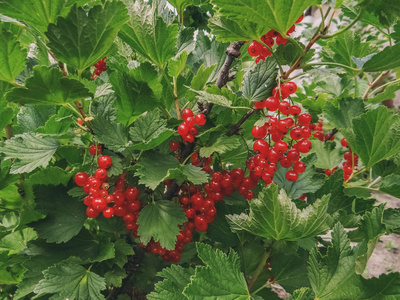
[[9, 131], [334, 131], [235, 129]]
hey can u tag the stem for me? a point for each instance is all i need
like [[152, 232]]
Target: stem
[[254, 276], [9, 131], [326, 36], [355, 86], [371, 85], [178, 111], [377, 180], [273, 54], [259, 289], [332, 64], [236, 127]]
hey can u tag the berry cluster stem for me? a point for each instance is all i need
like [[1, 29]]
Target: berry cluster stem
[[254, 276]]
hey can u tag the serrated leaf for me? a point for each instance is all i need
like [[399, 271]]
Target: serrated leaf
[[308, 181], [153, 168], [218, 99], [70, 280], [65, 215], [114, 276], [388, 93], [175, 279], [221, 145], [342, 112], [228, 30], [36, 14], [391, 185], [104, 107], [74, 41], [30, 151], [221, 277], [17, 240], [328, 157], [277, 217], [327, 273], [160, 220], [386, 59], [32, 117], [391, 218], [375, 136], [122, 250], [190, 173], [176, 66], [259, 82], [149, 35], [149, 131], [12, 56], [265, 14], [48, 87], [112, 135], [59, 123], [50, 176]]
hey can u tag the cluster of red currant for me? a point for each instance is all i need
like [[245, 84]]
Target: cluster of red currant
[[100, 67], [260, 51], [350, 163], [187, 129], [287, 153], [318, 132]]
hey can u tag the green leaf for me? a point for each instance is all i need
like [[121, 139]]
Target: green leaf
[[391, 218], [134, 96], [376, 136], [50, 176], [153, 168], [327, 273], [388, 93], [259, 82], [176, 66], [112, 135], [65, 215], [149, 35], [114, 276], [342, 112], [391, 185], [190, 173], [218, 99], [12, 56], [59, 123], [328, 157], [175, 279], [180, 5], [70, 280], [266, 14], [160, 220], [149, 131], [9, 195], [48, 87], [36, 14], [308, 182], [221, 277], [228, 30], [30, 151], [122, 250], [386, 59], [277, 217], [17, 240], [83, 38], [221, 145], [343, 48]]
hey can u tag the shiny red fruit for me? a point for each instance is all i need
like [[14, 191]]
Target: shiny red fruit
[[108, 212], [255, 48], [91, 212], [200, 223], [104, 161], [299, 167], [186, 113], [95, 149], [81, 178], [200, 119], [271, 103], [259, 132], [261, 146], [304, 119], [292, 175], [183, 129], [344, 142], [174, 146], [100, 173]]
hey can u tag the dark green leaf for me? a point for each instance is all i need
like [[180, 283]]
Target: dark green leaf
[[221, 145], [50, 176], [112, 135], [342, 112], [328, 157], [386, 59], [391, 185]]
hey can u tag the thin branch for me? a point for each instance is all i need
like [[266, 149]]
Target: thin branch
[[9, 131], [327, 36], [235, 129], [372, 84], [334, 131]]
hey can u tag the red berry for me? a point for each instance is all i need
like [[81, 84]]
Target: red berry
[[188, 138], [200, 223], [319, 135], [200, 119], [249, 195], [237, 174], [104, 161], [190, 213], [80, 121], [186, 113], [305, 133], [292, 175], [95, 149], [285, 162], [108, 212], [284, 107], [271, 103], [193, 130], [259, 132], [131, 194], [98, 72], [294, 110], [261, 146], [291, 29], [296, 133], [303, 146], [281, 146], [289, 87], [293, 155], [300, 19], [91, 212], [183, 129], [305, 119], [190, 122], [134, 206], [99, 204], [255, 48], [273, 156], [100, 173], [174, 146], [347, 170], [344, 142], [81, 178], [299, 167], [259, 105]]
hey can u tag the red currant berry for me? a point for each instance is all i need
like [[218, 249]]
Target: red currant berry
[[305, 133], [271, 103], [193, 130], [300, 19], [261, 146], [273, 156], [249, 195], [187, 113], [108, 212], [281, 146], [285, 162], [347, 170], [344, 142], [81, 178], [293, 155], [305, 119], [237, 174], [200, 119], [291, 29], [98, 72], [259, 132], [104, 161], [190, 213], [294, 110], [289, 87], [299, 167], [303, 146], [95, 149], [200, 223], [91, 212], [100, 173], [292, 175], [188, 138], [259, 105], [255, 48], [271, 168], [131, 194], [183, 129], [296, 133], [319, 135], [99, 204], [174, 146], [284, 107]]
